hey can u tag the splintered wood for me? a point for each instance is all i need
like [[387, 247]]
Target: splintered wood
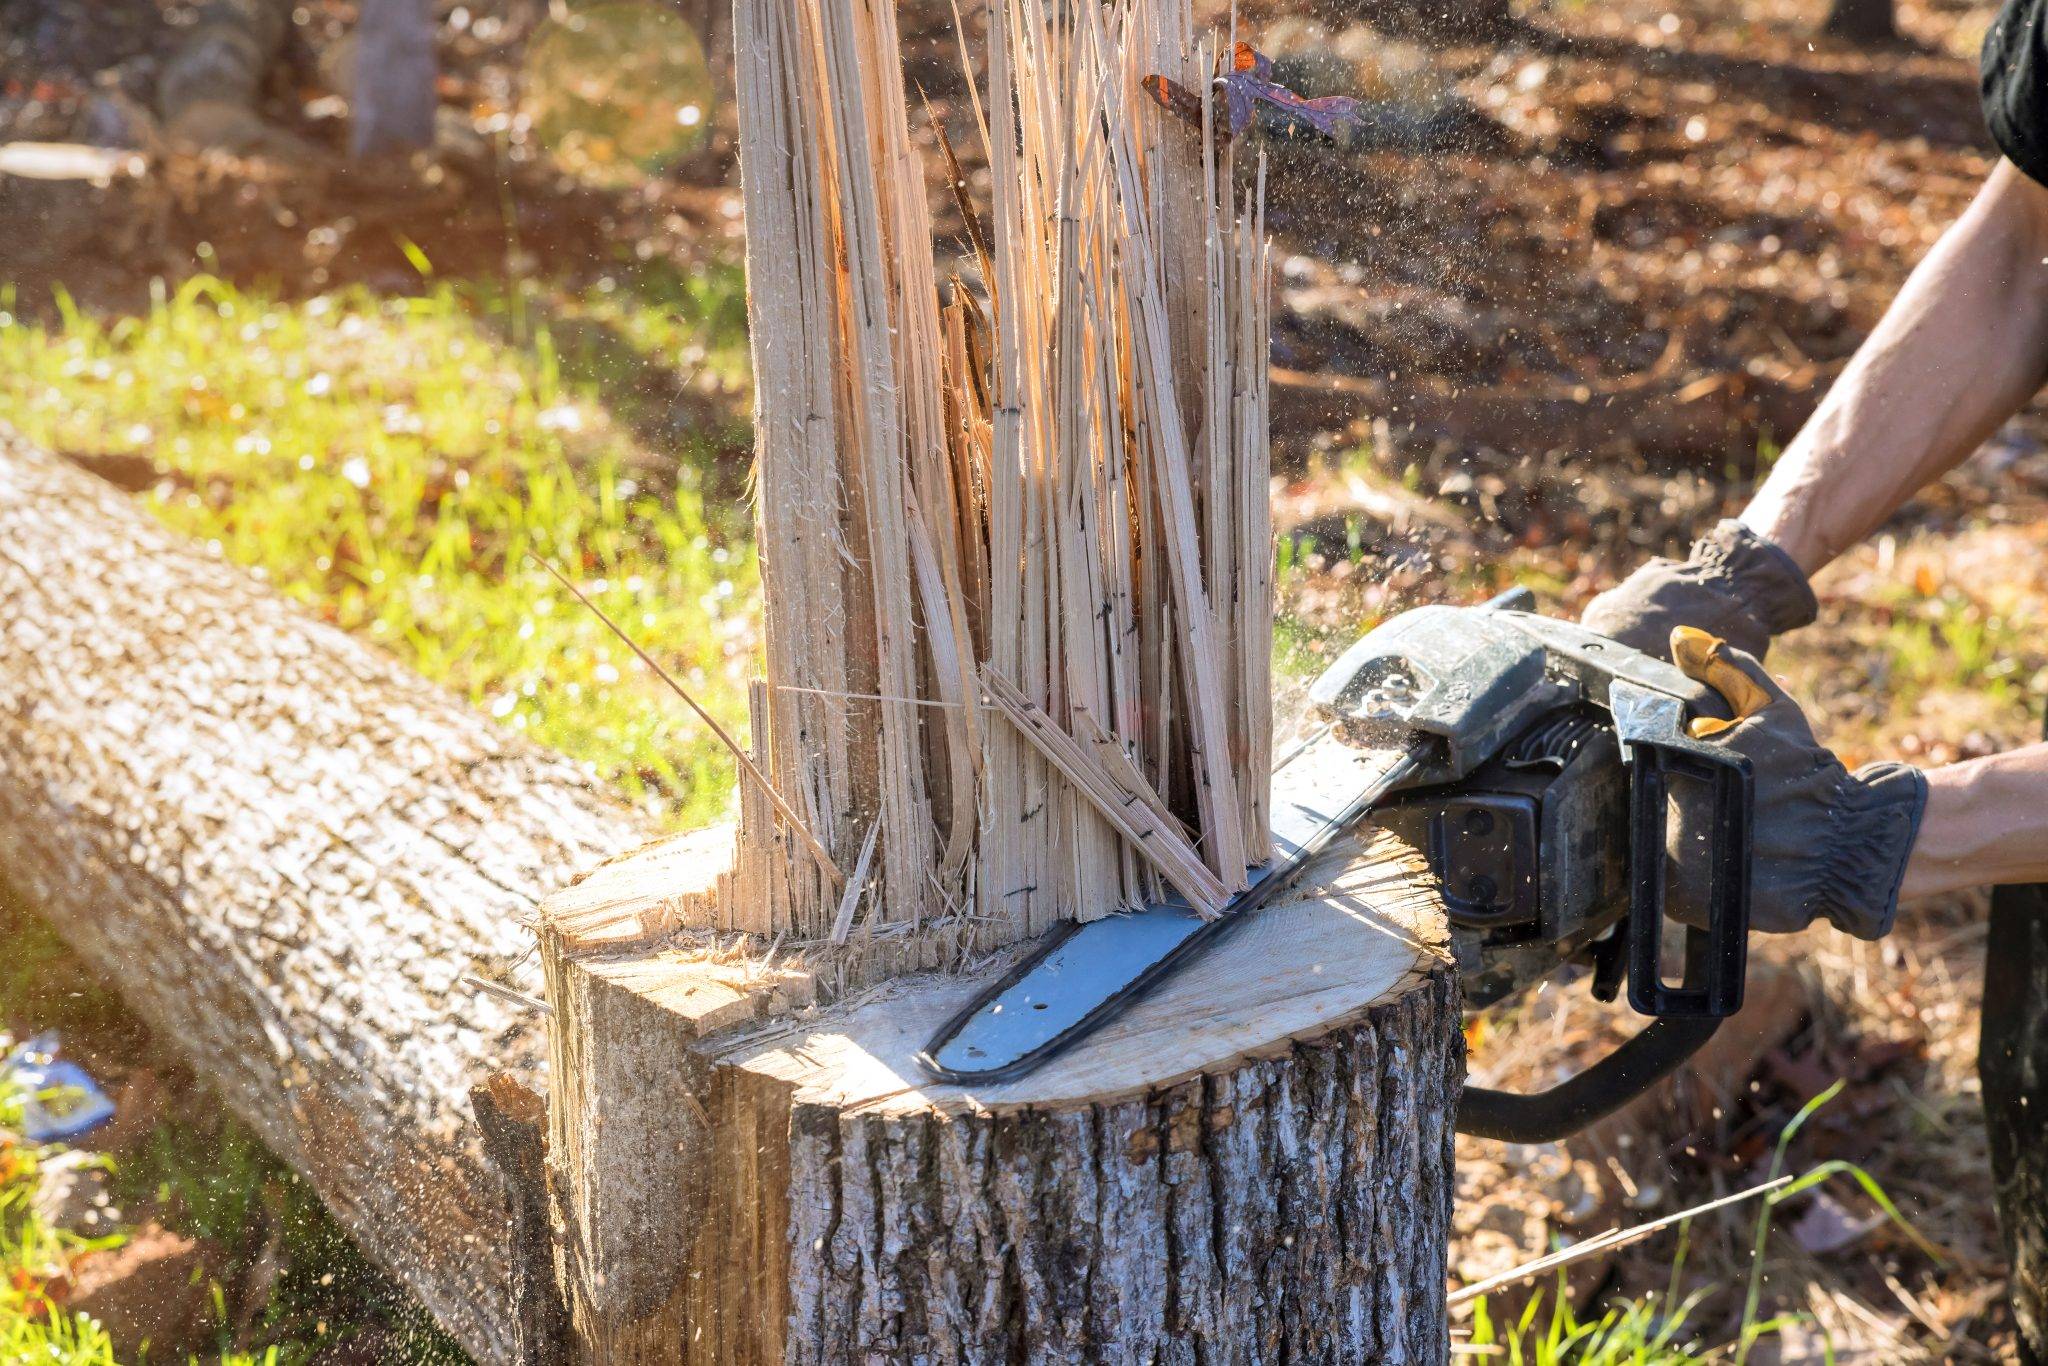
[[1013, 525]]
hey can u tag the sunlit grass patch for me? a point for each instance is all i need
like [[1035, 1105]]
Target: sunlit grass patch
[[392, 463], [1950, 638]]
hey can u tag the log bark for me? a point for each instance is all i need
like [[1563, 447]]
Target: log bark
[[392, 109], [1254, 1164], [287, 851]]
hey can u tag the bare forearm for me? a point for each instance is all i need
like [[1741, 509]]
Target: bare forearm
[[1959, 351], [1986, 825]]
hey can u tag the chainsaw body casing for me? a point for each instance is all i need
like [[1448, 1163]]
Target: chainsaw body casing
[[1530, 851]]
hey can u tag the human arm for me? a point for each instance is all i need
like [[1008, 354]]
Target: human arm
[[1963, 346], [1960, 350], [1986, 825]]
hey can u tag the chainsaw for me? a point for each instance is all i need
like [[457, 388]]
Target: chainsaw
[[1537, 767]]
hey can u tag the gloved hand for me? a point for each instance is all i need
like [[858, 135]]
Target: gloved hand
[[1827, 843], [1737, 585]]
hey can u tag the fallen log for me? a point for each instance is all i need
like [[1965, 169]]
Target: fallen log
[[287, 851], [1251, 1165]]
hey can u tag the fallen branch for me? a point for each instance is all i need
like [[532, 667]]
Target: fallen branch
[[1606, 1242]]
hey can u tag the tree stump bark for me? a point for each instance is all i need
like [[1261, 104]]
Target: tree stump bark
[[287, 852], [1253, 1164]]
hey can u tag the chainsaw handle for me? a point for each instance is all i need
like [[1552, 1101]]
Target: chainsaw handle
[[1650, 725], [1546, 1116], [1716, 957]]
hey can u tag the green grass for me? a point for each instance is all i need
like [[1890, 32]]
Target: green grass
[[1952, 640], [392, 462], [1651, 1331], [1657, 1330]]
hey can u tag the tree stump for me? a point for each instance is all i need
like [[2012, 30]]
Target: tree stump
[[1252, 1164]]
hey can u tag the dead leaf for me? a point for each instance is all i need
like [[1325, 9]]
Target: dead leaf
[[1829, 1226]]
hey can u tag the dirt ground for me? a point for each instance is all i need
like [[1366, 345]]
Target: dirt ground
[[1554, 310]]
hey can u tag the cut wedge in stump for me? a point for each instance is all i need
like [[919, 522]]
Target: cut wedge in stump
[[1252, 1164]]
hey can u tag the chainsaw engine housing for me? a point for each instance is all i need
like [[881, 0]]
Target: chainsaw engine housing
[[1530, 849]]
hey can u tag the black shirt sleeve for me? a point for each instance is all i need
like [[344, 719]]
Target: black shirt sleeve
[[2013, 76]]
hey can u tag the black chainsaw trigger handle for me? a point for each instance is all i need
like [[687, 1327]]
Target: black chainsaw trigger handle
[[1546, 1116], [1716, 957]]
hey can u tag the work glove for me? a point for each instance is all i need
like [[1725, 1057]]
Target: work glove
[[1827, 844], [1737, 585]]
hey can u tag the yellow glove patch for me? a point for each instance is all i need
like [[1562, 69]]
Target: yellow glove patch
[[1699, 656]]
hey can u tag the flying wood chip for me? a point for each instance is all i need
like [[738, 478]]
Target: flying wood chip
[[1239, 91]]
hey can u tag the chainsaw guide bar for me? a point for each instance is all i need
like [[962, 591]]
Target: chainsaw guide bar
[[1087, 974]]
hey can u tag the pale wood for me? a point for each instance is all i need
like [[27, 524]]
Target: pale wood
[[286, 852], [1118, 794], [1363, 927], [750, 1171], [1048, 490]]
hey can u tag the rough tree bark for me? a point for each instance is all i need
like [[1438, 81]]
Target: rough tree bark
[[287, 851], [1253, 1165]]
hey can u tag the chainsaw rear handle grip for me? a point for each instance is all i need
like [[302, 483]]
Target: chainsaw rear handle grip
[[1546, 1116], [1716, 957]]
